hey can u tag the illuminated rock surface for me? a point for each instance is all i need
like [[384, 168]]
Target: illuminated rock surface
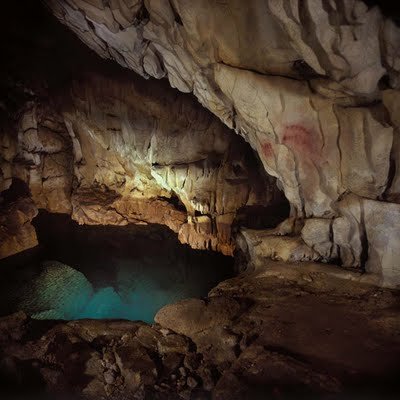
[[311, 85]]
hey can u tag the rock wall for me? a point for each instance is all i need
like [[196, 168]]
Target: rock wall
[[311, 85], [118, 151]]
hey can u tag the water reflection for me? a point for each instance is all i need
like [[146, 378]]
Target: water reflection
[[105, 272]]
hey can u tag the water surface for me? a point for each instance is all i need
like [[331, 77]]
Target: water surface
[[105, 272]]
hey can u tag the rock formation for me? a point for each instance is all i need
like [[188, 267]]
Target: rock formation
[[311, 85], [113, 153]]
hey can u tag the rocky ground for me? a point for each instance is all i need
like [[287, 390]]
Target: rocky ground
[[285, 331]]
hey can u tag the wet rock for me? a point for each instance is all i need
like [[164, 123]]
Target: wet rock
[[57, 292]]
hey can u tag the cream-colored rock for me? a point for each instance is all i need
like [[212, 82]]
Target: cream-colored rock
[[128, 151], [382, 228], [317, 234], [311, 141], [365, 144], [316, 149], [206, 233], [38, 154], [262, 245], [349, 233], [104, 207], [339, 41], [367, 235], [391, 101]]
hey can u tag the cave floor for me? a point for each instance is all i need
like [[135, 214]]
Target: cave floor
[[282, 332]]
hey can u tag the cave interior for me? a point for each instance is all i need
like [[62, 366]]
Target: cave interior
[[200, 200]]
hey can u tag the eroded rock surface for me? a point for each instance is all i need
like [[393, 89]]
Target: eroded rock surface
[[114, 152], [311, 85]]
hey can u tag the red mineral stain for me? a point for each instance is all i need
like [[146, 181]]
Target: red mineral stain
[[300, 139], [267, 150]]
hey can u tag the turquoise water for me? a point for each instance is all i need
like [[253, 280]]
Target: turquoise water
[[106, 272]]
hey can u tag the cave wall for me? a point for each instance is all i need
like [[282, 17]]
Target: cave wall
[[114, 151], [312, 86]]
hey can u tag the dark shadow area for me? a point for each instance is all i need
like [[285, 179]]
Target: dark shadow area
[[125, 272], [41, 57], [389, 8], [17, 189], [263, 217], [20, 380]]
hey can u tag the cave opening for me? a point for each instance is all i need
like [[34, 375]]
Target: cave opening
[[105, 272]]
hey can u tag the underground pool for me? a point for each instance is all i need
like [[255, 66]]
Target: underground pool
[[99, 272]]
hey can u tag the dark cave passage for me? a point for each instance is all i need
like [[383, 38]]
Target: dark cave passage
[[105, 272]]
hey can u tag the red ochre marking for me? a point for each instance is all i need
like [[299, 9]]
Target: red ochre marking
[[267, 149], [299, 138]]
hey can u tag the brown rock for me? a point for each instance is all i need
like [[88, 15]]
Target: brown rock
[[136, 366], [17, 233]]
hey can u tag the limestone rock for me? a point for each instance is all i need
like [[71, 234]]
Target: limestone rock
[[267, 37], [115, 152], [317, 234], [312, 86], [261, 245], [330, 132], [57, 292], [382, 229], [204, 325], [391, 102]]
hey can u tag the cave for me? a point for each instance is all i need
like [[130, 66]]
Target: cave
[[199, 199]]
